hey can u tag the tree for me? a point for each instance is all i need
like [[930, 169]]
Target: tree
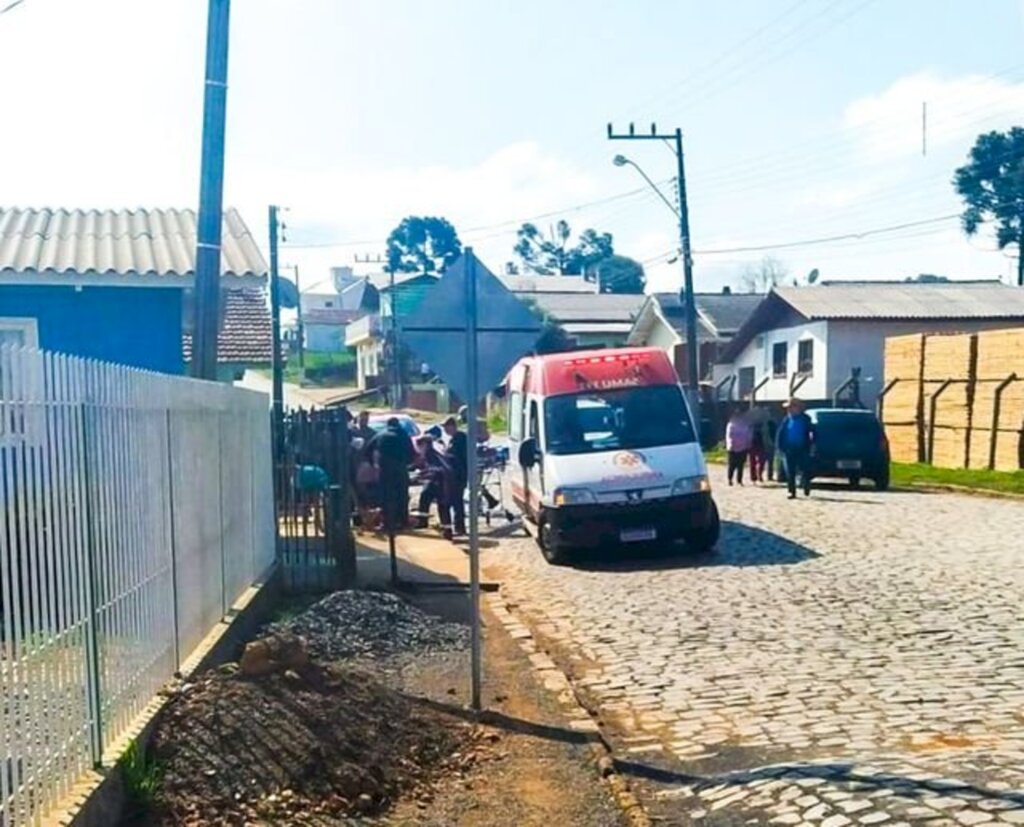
[[552, 255], [422, 244], [991, 184], [762, 277], [620, 274], [553, 337]]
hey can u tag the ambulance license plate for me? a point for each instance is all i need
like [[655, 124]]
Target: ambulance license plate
[[637, 535], [848, 465]]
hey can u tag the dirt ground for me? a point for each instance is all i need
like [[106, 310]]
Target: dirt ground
[[378, 740], [540, 773]]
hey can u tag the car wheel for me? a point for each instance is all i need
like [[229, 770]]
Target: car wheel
[[882, 481], [554, 552], [705, 539]]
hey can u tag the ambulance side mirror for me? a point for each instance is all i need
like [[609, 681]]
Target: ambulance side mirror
[[528, 453]]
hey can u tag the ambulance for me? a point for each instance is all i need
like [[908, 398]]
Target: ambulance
[[606, 453]]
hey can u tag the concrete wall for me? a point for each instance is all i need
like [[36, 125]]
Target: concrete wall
[[862, 344], [327, 338], [138, 326]]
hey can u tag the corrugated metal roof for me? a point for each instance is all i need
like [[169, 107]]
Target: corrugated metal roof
[[575, 328], [863, 300], [571, 307], [49, 244], [532, 283], [724, 313], [333, 316], [245, 335]]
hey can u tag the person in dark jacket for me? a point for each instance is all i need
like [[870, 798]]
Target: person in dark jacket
[[458, 457], [393, 451], [794, 441]]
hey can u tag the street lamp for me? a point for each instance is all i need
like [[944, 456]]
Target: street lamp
[[622, 160], [686, 297]]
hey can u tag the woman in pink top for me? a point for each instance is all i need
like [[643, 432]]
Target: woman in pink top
[[738, 435]]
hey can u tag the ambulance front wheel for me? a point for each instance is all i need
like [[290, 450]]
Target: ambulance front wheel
[[554, 552], [706, 538]]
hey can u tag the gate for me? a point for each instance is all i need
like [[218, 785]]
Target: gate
[[313, 496]]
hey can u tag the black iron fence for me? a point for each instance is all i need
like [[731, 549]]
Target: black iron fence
[[313, 496]]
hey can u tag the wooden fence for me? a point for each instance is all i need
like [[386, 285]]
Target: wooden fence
[[956, 401]]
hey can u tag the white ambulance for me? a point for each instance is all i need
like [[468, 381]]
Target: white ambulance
[[605, 452]]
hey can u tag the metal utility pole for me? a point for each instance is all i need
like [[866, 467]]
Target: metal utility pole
[[211, 194], [686, 296], [277, 397], [299, 329]]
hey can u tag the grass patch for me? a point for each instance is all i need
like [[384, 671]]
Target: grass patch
[[496, 422], [142, 775], [1006, 482], [321, 368], [715, 454]]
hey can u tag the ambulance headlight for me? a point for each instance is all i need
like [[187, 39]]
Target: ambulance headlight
[[574, 496], [691, 485]]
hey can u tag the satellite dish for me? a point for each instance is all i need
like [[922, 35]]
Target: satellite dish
[[813, 276]]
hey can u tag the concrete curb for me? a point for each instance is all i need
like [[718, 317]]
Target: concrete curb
[[556, 681]]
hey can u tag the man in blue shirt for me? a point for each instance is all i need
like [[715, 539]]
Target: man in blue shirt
[[794, 441]]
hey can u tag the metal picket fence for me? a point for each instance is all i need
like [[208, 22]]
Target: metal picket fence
[[135, 508]]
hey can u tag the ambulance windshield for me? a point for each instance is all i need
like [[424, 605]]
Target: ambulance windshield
[[624, 418]]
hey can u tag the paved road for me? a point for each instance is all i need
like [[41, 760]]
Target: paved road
[[854, 658]]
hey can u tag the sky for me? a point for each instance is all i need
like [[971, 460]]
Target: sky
[[802, 121]]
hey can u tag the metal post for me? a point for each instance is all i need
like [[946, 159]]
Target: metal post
[[933, 405], [93, 674], [211, 194], [300, 329], [173, 542], [996, 406], [474, 484], [686, 295], [880, 403], [275, 323]]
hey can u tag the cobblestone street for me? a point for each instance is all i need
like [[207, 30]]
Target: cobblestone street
[[854, 658]]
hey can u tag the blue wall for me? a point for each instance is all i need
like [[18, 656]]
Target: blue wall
[[138, 326]]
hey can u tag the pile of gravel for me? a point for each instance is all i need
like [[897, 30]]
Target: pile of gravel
[[351, 624]]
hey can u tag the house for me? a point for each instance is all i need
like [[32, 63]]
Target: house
[[661, 322], [809, 341], [245, 339], [592, 319], [116, 285]]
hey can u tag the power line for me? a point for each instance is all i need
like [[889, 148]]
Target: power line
[[511, 222], [12, 5], [853, 236]]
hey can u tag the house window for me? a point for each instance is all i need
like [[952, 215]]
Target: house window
[[19, 332], [329, 304], [780, 355], [805, 357], [746, 382]]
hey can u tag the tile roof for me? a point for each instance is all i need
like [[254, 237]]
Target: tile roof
[[911, 300], [157, 246], [245, 331]]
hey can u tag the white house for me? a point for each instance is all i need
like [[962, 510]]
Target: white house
[[661, 322], [807, 341]]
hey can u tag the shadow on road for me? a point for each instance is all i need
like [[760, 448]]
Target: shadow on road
[[740, 546]]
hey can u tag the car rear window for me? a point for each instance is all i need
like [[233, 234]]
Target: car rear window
[[850, 423]]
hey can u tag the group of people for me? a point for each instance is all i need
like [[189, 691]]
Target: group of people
[[384, 460], [752, 434]]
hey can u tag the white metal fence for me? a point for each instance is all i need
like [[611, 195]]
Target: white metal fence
[[135, 508]]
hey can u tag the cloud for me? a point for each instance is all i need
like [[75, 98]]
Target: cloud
[[887, 126]]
